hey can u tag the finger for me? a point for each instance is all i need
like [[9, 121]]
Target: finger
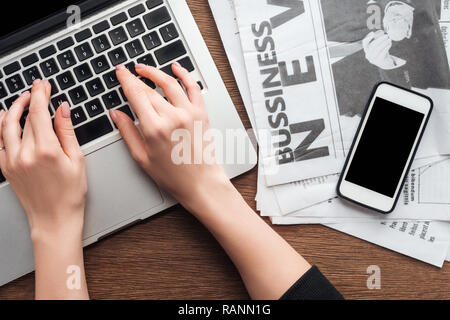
[[380, 42], [136, 94], [2, 153], [131, 136], [65, 132], [381, 49], [193, 89], [172, 89], [368, 39], [11, 130], [39, 115]]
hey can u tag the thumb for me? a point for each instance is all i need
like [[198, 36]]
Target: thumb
[[132, 137], [65, 132]]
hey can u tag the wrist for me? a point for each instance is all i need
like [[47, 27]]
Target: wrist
[[216, 191], [55, 229]]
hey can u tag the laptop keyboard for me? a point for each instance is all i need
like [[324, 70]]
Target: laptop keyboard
[[81, 67]]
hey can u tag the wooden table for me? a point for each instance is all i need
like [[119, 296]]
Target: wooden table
[[171, 256]]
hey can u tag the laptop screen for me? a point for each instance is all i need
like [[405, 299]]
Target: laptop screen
[[29, 12], [34, 19]]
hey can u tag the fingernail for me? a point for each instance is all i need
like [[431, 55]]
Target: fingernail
[[65, 110], [139, 66], [120, 67], [25, 93], [176, 64], [37, 81], [113, 115]]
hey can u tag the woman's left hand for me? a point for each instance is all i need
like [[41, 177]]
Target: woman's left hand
[[45, 169]]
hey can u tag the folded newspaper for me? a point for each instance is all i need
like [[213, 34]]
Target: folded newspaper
[[309, 73], [312, 65]]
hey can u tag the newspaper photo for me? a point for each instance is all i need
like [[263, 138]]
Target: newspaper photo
[[311, 68]]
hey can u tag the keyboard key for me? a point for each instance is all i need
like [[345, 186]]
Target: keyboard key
[[3, 92], [131, 67], [168, 69], [11, 68], [65, 80], [157, 17], [187, 64], [65, 43], [31, 74], [83, 72], [124, 97], [9, 102], [200, 84], [83, 35], [111, 79], [66, 59], [101, 43], [101, 26], [84, 51], [118, 35], [100, 64], [23, 119], [117, 56], [137, 10], [94, 108], [111, 100], [78, 95], [169, 32], [2, 178], [54, 87], [15, 83], [1, 74], [119, 18], [29, 60], [126, 109], [134, 48], [149, 82], [153, 3], [78, 116], [151, 40], [49, 67], [93, 130], [47, 51], [135, 28], [147, 60], [170, 52], [95, 87], [57, 101]]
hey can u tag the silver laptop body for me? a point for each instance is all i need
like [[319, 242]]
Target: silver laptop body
[[120, 193]]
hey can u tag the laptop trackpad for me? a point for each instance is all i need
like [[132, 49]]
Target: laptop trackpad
[[118, 189]]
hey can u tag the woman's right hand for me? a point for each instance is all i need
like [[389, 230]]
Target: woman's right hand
[[153, 146]]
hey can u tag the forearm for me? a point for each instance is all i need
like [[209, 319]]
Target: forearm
[[268, 265], [59, 265]]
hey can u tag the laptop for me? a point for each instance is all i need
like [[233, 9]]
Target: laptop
[[48, 41]]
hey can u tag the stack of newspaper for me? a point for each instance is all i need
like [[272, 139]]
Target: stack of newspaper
[[305, 70]]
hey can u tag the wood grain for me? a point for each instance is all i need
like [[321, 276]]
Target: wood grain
[[171, 256]]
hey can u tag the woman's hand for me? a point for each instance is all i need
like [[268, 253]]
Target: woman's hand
[[267, 264], [162, 123], [46, 171]]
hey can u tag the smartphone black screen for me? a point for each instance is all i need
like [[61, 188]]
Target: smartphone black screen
[[384, 148]]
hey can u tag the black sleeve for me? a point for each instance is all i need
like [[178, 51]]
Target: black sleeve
[[312, 286]]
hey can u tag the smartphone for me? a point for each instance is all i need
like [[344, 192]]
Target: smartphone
[[384, 147]]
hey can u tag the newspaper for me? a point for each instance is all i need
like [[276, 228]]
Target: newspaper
[[311, 71], [266, 199], [425, 196]]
